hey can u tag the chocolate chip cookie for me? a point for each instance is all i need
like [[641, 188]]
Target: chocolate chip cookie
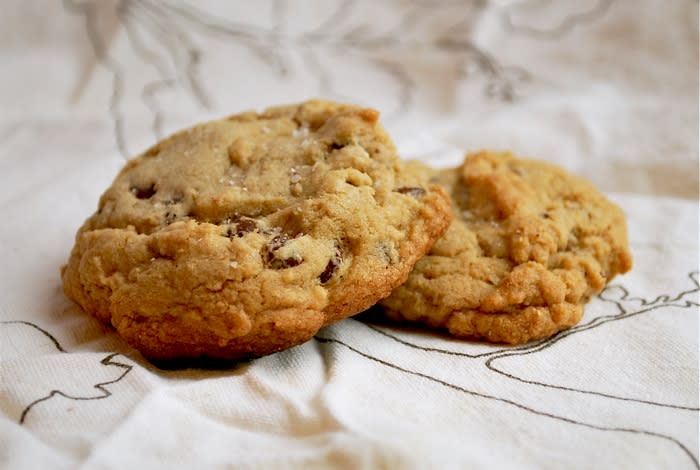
[[529, 245], [243, 236]]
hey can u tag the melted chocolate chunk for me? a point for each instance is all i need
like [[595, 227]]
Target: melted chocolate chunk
[[273, 261], [243, 225], [246, 226], [142, 192], [413, 192], [277, 242], [332, 266], [290, 262]]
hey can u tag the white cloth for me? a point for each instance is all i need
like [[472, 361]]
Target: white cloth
[[607, 89]]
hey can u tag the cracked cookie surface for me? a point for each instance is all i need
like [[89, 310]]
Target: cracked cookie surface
[[243, 236], [528, 246]]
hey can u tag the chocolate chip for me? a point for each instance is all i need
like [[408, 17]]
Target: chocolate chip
[[336, 146], [332, 266], [290, 262], [410, 191], [277, 242], [143, 192], [545, 215], [246, 226], [243, 225], [275, 262]]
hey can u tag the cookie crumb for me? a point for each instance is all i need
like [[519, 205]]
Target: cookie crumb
[[143, 192]]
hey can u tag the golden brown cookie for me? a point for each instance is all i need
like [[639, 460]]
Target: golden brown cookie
[[528, 246], [244, 236]]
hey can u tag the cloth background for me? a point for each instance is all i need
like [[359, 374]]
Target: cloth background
[[607, 89]]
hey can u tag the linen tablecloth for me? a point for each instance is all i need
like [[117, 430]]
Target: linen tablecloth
[[607, 89]]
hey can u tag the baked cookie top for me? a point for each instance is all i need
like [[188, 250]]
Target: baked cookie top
[[529, 245], [243, 236]]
